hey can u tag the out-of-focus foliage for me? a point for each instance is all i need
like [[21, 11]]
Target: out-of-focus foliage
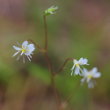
[[40, 73]]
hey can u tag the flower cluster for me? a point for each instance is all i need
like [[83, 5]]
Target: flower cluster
[[88, 76]]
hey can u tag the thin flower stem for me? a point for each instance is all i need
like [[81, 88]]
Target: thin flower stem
[[65, 62], [52, 80], [46, 32], [48, 60]]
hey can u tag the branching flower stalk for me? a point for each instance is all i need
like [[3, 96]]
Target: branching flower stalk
[[27, 49]]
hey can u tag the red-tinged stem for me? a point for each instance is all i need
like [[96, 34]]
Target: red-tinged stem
[[46, 32]]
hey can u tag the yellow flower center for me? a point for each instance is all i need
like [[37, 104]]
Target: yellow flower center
[[89, 76], [77, 65], [23, 50]]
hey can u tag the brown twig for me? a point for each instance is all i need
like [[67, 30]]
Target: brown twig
[[65, 62]]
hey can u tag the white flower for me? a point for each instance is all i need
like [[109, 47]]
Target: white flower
[[25, 49], [77, 63], [51, 10], [89, 75]]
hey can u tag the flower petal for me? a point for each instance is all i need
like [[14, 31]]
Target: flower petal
[[94, 70], [90, 84], [16, 48], [22, 53], [83, 61], [97, 75], [83, 79], [24, 44], [75, 61], [77, 70], [31, 47], [84, 72], [28, 58], [73, 67], [16, 53], [88, 80]]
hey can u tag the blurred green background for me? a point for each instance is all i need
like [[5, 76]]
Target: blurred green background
[[80, 28]]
